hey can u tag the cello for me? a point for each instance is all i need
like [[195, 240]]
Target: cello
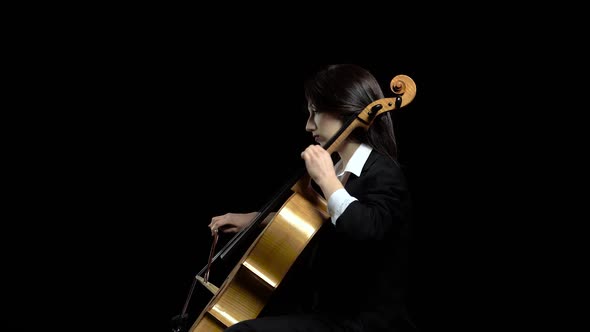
[[245, 291]]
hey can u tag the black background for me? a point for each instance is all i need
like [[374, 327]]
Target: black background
[[120, 179], [124, 133]]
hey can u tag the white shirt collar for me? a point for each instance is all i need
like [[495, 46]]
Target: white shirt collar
[[356, 162]]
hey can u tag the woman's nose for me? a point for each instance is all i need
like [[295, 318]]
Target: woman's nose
[[310, 125]]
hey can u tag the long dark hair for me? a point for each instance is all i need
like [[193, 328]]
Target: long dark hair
[[345, 90]]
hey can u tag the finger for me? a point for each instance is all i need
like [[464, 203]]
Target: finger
[[230, 229], [221, 223], [306, 149]]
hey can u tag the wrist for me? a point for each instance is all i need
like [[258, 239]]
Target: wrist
[[330, 186]]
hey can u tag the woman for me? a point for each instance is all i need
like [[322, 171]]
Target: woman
[[356, 271]]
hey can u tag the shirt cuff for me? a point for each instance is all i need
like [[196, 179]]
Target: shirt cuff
[[338, 202]]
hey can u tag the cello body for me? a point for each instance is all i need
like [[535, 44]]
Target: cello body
[[257, 274], [250, 284]]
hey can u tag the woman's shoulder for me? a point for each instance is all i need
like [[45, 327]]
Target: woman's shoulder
[[380, 160], [384, 168]]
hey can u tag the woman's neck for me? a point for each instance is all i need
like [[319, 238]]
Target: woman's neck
[[347, 150]]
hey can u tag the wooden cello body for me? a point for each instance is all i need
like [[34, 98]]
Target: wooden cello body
[[260, 270]]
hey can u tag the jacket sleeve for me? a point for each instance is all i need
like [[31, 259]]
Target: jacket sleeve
[[377, 210]]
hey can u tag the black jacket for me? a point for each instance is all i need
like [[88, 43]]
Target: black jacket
[[355, 271], [360, 264]]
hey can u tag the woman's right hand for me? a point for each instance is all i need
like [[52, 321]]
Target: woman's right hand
[[231, 222]]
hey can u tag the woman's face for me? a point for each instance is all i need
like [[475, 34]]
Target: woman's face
[[322, 125]]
